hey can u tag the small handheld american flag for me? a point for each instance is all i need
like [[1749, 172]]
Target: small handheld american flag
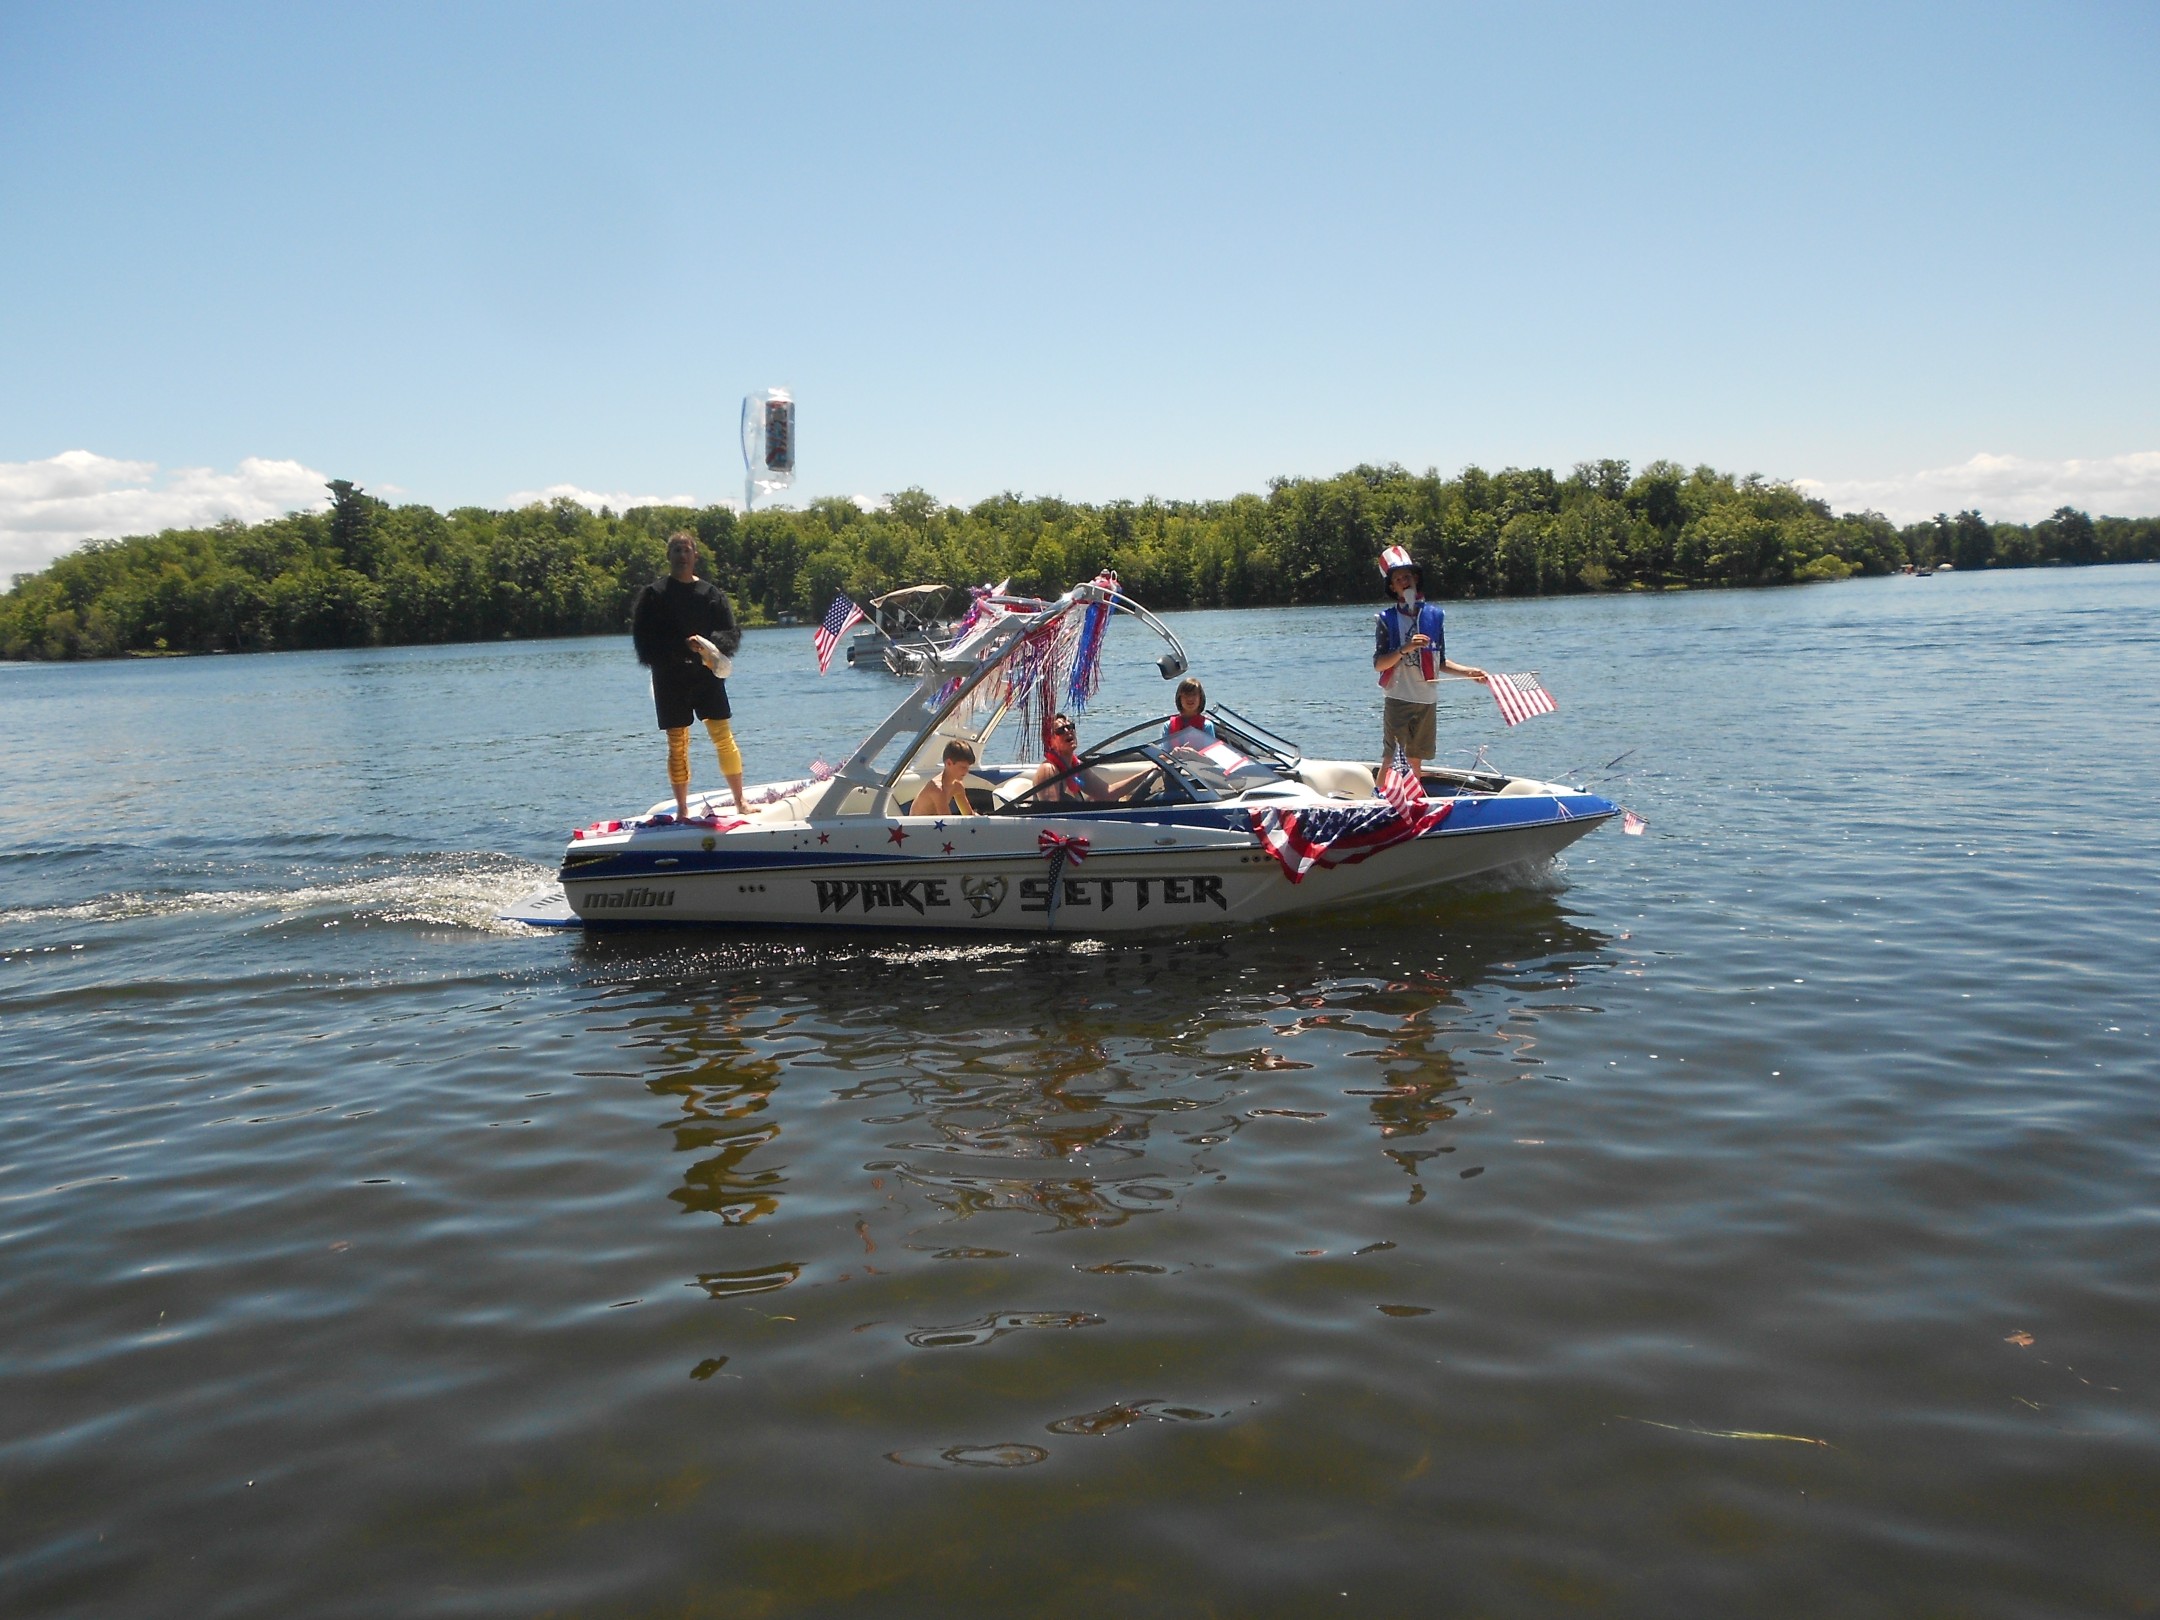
[[1520, 696], [1405, 788], [840, 618]]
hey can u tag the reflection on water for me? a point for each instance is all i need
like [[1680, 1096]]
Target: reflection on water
[[963, 1335], [1057, 1086], [721, 1087], [1753, 1217], [1122, 1414]]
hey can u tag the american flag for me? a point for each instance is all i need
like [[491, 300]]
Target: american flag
[[1303, 839], [1519, 697], [1632, 824], [1405, 788], [840, 618]]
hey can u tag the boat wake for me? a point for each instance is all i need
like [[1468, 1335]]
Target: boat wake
[[447, 891], [1546, 875]]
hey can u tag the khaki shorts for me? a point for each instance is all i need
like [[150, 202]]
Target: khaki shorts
[[1411, 725]]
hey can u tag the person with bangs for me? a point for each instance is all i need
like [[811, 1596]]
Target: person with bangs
[[945, 794], [1056, 778], [1189, 727]]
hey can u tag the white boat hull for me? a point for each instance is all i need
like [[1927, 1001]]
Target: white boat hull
[[1137, 833], [988, 874]]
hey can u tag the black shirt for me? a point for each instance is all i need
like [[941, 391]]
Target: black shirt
[[667, 614]]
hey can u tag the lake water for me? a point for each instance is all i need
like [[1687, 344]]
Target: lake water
[[1755, 1217]]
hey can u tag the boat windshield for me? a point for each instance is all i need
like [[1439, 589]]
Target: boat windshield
[[1144, 775], [1246, 737], [1225, 772]]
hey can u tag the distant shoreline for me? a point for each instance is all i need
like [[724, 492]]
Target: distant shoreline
[[1251, 607], [368, 573]]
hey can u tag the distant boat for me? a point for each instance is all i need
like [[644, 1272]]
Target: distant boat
[[1945, 568], [905, 628]]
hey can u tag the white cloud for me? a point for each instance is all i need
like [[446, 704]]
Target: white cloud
[[48, 508], [2006, 489], [615, 500]]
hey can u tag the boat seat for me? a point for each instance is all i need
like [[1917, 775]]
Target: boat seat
[[791, 808], [1336, 777]]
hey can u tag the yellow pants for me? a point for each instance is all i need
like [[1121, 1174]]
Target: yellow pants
[[678, 753]]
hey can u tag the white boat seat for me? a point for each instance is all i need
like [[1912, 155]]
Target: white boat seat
[[1336, 778]]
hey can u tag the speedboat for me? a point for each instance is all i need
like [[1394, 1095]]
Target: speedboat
[[1138, 835]]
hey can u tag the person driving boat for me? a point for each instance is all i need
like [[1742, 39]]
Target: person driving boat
[[1057, 777]]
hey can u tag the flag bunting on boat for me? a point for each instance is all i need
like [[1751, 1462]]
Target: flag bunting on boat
[[840, 618], [1520, 697], [1303, 839], [1058, 848], [662, 818]]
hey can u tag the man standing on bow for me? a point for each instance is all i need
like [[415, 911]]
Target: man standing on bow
[[684, 630], [1410, 652]]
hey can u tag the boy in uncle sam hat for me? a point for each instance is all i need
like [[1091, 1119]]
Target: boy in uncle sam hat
[[1410, 652]]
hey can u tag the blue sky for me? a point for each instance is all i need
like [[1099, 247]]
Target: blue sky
[[472, 253]]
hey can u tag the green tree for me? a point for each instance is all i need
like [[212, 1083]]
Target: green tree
[[1972, 542]]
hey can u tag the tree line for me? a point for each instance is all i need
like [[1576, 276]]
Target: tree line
[[368, 573]]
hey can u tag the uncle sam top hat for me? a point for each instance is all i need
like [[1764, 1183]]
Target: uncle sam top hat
[[1399, 557]]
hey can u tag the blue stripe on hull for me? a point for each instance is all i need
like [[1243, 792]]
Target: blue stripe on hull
[[1470, 817]]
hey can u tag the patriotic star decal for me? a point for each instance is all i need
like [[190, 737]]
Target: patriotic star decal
[[899, 835], [824, 838]]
